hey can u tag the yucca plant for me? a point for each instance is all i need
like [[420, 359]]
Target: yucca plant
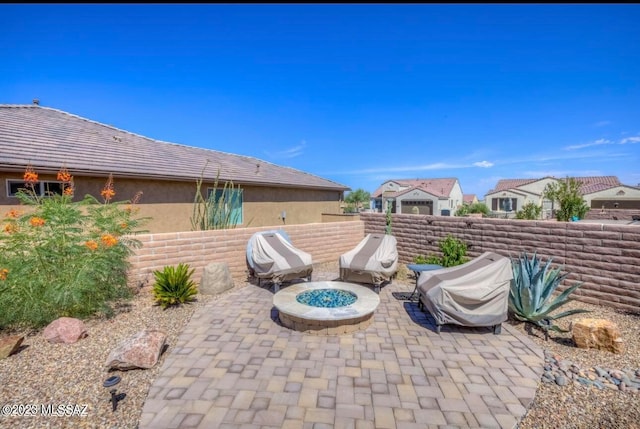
[[174, 286], [531, 294]]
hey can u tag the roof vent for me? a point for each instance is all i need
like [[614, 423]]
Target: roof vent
[[36, 101]]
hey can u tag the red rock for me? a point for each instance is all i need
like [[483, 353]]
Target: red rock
[[9, 345], [141, 350], [65, 330]]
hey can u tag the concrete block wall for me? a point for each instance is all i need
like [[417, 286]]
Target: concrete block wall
[[605, 258], [620, 214], [324, 241]]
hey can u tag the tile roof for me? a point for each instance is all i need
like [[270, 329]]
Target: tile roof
[[595, 187], [608, 181], [48, 138], [439, 187], [590, 184], [468, 198], [505, 184], [408, 190]]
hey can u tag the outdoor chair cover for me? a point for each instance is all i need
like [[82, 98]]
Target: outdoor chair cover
[[471, 294], [271, 256], [374, 260]]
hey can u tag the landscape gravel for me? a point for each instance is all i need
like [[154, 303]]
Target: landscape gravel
[[44, 374], [593, 402]]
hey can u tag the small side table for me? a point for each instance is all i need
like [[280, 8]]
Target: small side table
[[417, 269]]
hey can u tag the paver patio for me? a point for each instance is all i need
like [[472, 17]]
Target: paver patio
[[235, 366]]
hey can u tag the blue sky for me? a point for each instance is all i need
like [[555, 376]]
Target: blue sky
[[358, 94]]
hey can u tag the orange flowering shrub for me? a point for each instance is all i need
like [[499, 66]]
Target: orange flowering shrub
[[30, 176], [76, 266], [37, 221], [13, 214], [109, 240], [63, 175], [10, 228], [107, 192], [91, 244]]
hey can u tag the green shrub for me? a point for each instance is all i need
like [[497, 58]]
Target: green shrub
[[568, 193], [453, 253], [431, 259], [529, 211], [174, 286], [478, 207], [63, 258], [531, 293]]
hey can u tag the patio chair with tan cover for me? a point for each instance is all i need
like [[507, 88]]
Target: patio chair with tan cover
[[374, 260], [472, 294], [271, 256]]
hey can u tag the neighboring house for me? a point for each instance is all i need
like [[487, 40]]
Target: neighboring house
[[469, 199], [166, 173], [599, 192], [418, 196]]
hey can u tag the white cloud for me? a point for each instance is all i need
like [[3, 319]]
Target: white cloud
[[289, 153], [403, 169], [602, 123], [598, 142], [632, 140], [560, 157], [417, 168], [484, 164], [561, 173]]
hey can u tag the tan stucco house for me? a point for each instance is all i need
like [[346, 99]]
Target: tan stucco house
[[469, 199], [166, 173], [509, 195], [419, 196]]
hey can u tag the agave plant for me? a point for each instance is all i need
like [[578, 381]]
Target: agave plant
[[174, 286], [531, 295]]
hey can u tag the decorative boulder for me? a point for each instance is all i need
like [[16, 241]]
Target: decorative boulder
[[10, 345], [597, 333], [141, 350], [65, 330], [216, 279]]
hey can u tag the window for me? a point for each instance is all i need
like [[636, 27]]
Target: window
[[42, 188], [231, 201], [504, 204], [417, 203]]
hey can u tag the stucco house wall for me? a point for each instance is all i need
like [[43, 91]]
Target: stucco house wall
[[425, 202], [538, 186], [597, 191], [626, 197], [519, 199], [426, 196], [169, 205], [454, 201]]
